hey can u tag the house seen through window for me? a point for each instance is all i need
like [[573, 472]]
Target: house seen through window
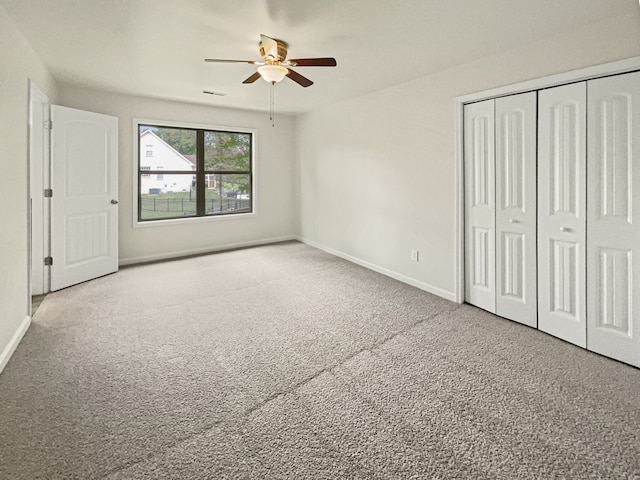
[[193, 172]]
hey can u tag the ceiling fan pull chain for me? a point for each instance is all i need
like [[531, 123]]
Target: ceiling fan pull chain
[[271, 106]]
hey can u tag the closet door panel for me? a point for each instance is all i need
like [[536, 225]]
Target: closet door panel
[[613, 230], [516, 289], [562, 212], [479, 154]]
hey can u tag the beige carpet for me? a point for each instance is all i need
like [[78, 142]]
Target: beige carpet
[[286, 362]]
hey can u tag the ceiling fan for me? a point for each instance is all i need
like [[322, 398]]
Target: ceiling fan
[[275, 65]]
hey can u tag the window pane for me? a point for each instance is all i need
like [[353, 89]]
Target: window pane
[[177, 199], [163, 148], [227, 151], [228, 194]]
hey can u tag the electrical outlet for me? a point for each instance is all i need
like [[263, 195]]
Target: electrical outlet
[[415, 255]]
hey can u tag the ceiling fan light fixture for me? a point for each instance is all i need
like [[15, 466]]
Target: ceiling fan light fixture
[[272, 73]]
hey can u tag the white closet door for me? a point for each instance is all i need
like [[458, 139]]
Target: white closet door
[[479, 154], [84, 212], [516, 289], [561, 212], [613, 230]]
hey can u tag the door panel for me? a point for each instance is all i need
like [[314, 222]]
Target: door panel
[[480, 205], [84, 221], [613, 233], [561, 212], [516, 208]]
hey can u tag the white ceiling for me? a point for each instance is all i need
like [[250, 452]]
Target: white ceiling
[[156, 47]]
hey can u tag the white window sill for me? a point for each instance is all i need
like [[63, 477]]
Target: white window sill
[[181, 221]]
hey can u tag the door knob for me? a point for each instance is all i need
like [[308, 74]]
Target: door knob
[[114, 202], [566, 229], [513, 220]]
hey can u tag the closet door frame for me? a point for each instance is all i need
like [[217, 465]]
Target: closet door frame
[[589, 73]]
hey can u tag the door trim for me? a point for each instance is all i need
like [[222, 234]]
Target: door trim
[[588, 73], [38, 171]]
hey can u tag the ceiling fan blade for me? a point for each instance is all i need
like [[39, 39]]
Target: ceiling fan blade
[[299, 79], [252, 78], [218, 60], [314, 62]]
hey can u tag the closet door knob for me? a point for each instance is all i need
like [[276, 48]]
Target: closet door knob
[[513, 220], [566, 229], [114, 202]]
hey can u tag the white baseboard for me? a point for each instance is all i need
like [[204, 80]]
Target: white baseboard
[[14, 342], [389, 273], [201, 251]]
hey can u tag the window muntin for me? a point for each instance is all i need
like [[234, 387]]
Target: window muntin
[[204, 172]]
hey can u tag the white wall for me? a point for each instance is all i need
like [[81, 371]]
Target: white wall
[[377, 174], [18, 64], [274, 167]]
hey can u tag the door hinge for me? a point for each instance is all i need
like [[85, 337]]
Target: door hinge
[[48, 261], [48, 193], [48, 124]]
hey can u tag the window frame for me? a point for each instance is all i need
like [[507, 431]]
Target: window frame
[[200, 175]]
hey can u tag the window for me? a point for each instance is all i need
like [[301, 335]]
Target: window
[[208, 171]]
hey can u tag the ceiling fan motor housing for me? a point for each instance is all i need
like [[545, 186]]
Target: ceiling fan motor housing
[[274, 55]]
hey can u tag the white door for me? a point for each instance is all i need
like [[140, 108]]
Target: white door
[[516, 289], [613, 230], [84, 211], [561, 212], [479, 154]]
